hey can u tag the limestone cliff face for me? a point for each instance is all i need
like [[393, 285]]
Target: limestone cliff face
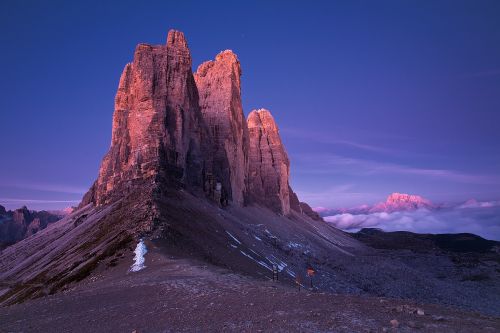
[[157, 123], [171, 126], [307, 210], [269, 166], [219, 89]]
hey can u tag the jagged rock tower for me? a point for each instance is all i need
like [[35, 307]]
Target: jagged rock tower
[[185, 169], [219, 88], [269, 166], [158, 130], [175, 128]]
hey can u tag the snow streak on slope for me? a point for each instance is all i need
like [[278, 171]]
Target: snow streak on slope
[[140, 251]]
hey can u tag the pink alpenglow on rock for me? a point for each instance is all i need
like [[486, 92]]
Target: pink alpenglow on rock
[[157, 123], [269, 167], [402, 202], [219, 89], [172, 129]]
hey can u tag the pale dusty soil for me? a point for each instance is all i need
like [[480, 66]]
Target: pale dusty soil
[[174, 295]]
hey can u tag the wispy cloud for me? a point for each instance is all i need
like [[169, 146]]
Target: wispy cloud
[[44, 187], [331, 163], [331, 139], [341, 193], [20, 201]]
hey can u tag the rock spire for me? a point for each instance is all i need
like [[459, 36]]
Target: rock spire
[[269, 167], [219, 89], [173, 127], [157, 123]]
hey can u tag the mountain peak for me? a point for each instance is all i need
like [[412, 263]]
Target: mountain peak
[[227, 55], [219, 88], [269, 167], [402, 202], [176, 38], [406, 198]]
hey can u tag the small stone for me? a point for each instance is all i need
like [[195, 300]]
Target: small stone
[[394, 323], [420, 312], [413, 324]]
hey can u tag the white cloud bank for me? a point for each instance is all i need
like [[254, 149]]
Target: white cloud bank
[[482, 220]]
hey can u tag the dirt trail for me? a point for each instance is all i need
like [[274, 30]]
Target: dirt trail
[[174, 295]]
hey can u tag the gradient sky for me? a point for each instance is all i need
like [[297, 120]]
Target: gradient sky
[[372, 97]]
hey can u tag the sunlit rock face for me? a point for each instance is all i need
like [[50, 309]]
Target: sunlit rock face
[[175, 128], [219, 89], [269, 166], [157, 123], [402, 202]]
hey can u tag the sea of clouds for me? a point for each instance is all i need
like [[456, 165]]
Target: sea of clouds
[[482, 218]]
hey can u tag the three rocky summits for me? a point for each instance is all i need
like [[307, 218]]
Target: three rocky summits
[[184, 167], [191, 177], [188, 129]]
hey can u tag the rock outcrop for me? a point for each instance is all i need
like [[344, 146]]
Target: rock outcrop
[[157, 124], [219, 89], [21, 223], [307, 210], [269, 167]]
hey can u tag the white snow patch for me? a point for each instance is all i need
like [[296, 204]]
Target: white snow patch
[[275, 261], [292, 274], [234, 246], [247, 255], [258, 238], [295, 245], [234, 238], [254, 252], [140, 252], [263, 264]]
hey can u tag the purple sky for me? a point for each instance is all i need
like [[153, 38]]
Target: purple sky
[[372, 97]]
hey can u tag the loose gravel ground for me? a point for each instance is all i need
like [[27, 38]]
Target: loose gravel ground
[[177, 295]]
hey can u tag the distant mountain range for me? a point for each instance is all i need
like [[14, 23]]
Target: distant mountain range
[[21, 223], [395, 202], [402, 202]]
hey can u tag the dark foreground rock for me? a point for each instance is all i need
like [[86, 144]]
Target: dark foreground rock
[[173, 295]]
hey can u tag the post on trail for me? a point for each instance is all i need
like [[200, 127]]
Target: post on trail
[[275, 272], [310, 273], [298, 281]]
